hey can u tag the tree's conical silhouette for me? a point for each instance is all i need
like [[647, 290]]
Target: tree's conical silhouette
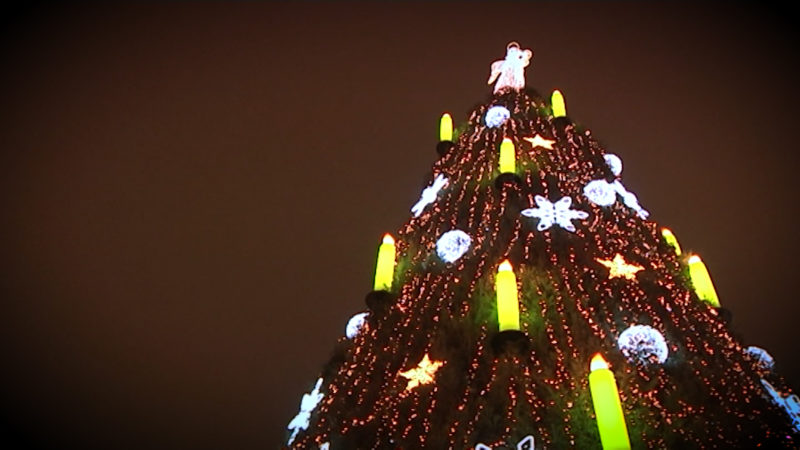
[[430, 366]]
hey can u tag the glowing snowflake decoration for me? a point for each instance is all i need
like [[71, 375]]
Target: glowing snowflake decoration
[[789, 403], [614, 163], [452, 245], [554, 213], [763, 360], [355, 324], [600, 192], [309, 402], [429, 195], [422, 374], [644, 344], [526, 443], [496, 116]]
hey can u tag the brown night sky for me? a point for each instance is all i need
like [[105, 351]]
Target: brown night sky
[[192, 194]]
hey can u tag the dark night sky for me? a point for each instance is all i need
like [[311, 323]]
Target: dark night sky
[[192, 194]]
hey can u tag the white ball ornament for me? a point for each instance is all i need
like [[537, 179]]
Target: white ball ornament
[[643, 344], [355, 324], [614, 163], [452, 245], [496, 116], [600, 192]]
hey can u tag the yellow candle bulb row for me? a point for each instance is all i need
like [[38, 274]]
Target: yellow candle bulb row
[[607, 407], [507, 297], [384, 269], [701, 280]]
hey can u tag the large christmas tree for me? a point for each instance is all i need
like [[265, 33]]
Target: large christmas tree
[[528, 302]]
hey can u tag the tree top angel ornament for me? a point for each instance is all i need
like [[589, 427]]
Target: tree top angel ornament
[[510, 72]]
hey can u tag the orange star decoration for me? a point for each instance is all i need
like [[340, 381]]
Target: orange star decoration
[[423, 373], [538, 141], [619, 268]]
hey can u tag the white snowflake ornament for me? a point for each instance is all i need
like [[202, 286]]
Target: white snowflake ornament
[[554, 213], [307, 404], [526, 443], [643, 344], [510, 72], [429, 194], [452, 245]]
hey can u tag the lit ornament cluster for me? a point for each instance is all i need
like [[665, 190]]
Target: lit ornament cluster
[[643, 344], [452, 245]]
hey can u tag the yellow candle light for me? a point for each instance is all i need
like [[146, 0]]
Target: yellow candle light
[[607, 407], [384, 269], [507, 299], [557, 104], [701, 281], [671, 240], [446, 128], [508, 157]]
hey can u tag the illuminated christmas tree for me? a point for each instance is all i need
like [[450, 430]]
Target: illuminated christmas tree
[[528, 302]]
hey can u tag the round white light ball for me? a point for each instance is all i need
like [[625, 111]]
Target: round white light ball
[[355, 324], [496, 115], [644, 344], [600, 192], [452, 245], [614, 163]]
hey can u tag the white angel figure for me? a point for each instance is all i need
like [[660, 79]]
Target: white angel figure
[[510, 72]]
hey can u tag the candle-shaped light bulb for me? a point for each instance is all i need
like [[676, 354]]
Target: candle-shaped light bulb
[[384, 269], [508, 156], [701, 281], [507, 299], [446, 128], [671, 240], [607, 407], [557, 104]]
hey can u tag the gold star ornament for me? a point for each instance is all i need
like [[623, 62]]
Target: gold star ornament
[[538, 141], [423, 373], [619, 268]]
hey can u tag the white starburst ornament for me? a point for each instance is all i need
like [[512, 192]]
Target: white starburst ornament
[[309, 402], [452, 245], [429, 194], [554, 213], [643, 344], [525, 444]]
